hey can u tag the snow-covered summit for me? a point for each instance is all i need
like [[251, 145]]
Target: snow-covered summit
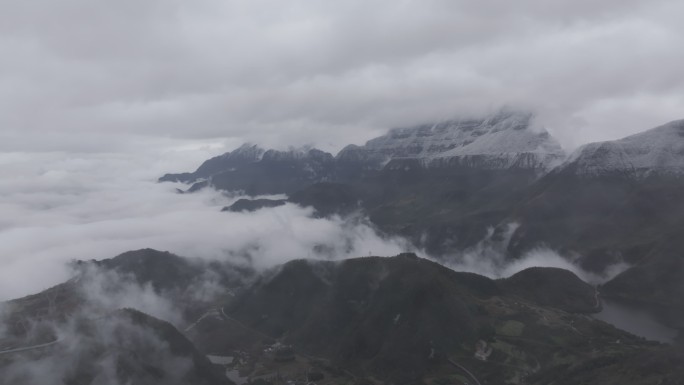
[[298, 154], [657, 151], [498, 141]]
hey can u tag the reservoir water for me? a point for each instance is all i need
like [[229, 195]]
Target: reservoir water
[[638, 320], [232, 373]]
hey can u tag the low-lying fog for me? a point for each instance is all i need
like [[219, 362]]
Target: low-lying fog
[[58, 207]]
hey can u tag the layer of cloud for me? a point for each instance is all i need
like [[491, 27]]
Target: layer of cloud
[[59, 207], [81, 74]]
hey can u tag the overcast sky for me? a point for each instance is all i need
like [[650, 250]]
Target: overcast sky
[[96, 75]]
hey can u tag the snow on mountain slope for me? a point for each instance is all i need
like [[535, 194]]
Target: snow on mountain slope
[[657, 151], [249, 155], [298, 154], [500, 141]]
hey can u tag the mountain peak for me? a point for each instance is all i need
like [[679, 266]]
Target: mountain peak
[[659, 150], [248, 152], [243, 155], [505, 135]]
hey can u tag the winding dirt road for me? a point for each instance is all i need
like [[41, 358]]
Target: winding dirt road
[[33, 347], [452, 362]]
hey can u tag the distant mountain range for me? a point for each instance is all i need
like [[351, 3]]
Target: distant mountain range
[[503, 140], [445, 185]]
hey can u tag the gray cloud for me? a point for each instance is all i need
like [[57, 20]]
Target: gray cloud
[[490, 258], [80, 74], [59, 207]]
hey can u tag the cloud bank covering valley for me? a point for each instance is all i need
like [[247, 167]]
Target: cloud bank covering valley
[[60, 207], [94, 206]]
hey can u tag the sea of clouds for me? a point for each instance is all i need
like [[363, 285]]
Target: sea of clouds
[[59, 207]]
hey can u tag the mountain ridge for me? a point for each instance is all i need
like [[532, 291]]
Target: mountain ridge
[[659, 150], [499, 141], [502, 135]]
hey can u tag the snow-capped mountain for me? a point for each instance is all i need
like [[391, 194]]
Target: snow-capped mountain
[[503, 140], [657, 151]]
